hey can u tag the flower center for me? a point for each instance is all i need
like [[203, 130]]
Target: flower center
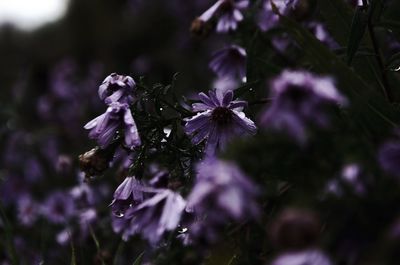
[[297, 93], [222, 115], [226, 6]]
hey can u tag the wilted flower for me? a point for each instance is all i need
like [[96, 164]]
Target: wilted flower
[[58, 207], [153, 217], [222, 193], [117, 88], [228, 13], [128, 194], [229, 62], [220, 118], [309, 257], [389, 157], [104, 127], [93, 162], [299, 98]]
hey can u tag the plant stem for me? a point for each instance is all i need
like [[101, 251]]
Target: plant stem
[[386, 88]]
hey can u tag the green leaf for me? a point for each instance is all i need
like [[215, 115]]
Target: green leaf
[[389, 24], [138, 260], [337, 16], [357, 31], [8, 237], [73, 254]]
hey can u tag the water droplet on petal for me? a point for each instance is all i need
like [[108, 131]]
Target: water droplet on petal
[[119, 214]]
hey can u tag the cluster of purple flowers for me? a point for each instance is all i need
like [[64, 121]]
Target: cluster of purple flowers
[[116, 92], [221, 192]]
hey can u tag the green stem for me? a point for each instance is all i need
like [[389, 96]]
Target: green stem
[[386, 87]]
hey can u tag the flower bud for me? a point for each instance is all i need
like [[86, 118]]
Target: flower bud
[[93, 162], [200, 28], [302, 9]]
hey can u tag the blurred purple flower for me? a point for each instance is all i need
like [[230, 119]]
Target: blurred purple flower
[[222, 193], [58, 207], [267, 19], [160, 179], [351, 174], [83, 194], [228, 13], [220, 118], [86, 218], [299, 97], [33, 170], [281, 42], [28, 211], [63, 81], [229, 62], [309, 257], [222, 85], [389, 157], [64, 236], [320, 32], [117, 88], [127, 195], [12, 188], [104, 127], [153, 217]]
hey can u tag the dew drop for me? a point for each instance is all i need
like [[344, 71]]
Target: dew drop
[[119, 214]]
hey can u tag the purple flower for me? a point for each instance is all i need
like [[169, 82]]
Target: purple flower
[[58, 207], [28, 211], [221, 193], [228, 13], [300, 97], [12, 188], [220, 118], [267, 19], [160, 179], [352, 175], [224, 84], [128, 194], [389, 157], [229, 62], [309, 257], [87, 217], [153, 217], [64, 236], [281, 42], [104, 127], [320, 32], [117, 88]]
